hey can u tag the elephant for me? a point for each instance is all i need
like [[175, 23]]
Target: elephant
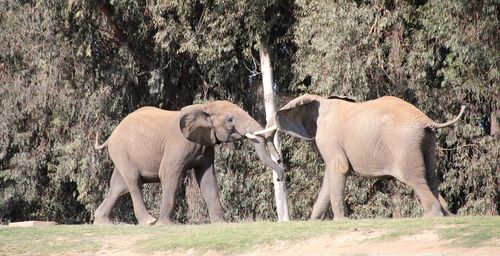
[[384, 137], [155, 145]]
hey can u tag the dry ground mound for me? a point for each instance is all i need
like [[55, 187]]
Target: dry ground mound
[[363, 243], [350, 243]]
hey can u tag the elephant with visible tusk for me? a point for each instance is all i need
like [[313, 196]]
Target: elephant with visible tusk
[[155, 145], [377, 138]]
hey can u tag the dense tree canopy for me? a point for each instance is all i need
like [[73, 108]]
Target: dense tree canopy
[[71, 68]]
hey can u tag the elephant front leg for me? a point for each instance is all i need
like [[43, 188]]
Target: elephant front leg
[[323, 202], [337, 177], [169, 186], [208, 185]]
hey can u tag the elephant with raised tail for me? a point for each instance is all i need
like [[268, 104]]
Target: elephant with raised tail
[[155, 145], [376, 138]]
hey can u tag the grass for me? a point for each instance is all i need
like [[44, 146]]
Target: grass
[[232, 238]]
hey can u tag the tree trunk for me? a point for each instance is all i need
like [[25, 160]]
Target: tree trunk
[[495, 115], [121, 37], [267, 83]]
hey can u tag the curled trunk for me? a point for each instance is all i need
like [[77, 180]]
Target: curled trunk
[[270, 140], [262, 148]]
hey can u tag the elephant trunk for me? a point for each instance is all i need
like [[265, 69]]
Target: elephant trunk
[[262, 148]]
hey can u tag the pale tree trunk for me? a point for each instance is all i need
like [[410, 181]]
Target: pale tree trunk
[[495, 115], [267, 83]]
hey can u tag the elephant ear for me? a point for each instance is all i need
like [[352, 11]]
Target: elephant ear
[[196, 125], [298, 117]]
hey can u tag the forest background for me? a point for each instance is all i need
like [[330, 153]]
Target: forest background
[[71, 68]]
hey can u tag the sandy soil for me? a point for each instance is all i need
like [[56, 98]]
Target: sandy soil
[[352, 243], [364, 243]]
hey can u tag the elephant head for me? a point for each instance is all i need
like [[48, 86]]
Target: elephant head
[[222, 121], [297, 118]]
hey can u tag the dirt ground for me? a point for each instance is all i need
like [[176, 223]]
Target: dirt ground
[[360, 243], [352, 243]]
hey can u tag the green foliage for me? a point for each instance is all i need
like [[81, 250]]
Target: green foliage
[[240, 175], [304, 176], [71, 68]]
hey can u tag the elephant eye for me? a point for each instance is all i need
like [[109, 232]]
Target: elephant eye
[[230, 120]]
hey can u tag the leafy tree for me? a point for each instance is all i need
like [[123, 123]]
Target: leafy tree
[[71, 68]]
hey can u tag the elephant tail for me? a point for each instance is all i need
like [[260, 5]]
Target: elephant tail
[[435, 125], [96, 145]]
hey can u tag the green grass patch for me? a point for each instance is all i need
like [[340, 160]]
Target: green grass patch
[[473, 232], [232, 238]]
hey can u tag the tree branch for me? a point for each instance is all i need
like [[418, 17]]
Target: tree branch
[[119, 35]]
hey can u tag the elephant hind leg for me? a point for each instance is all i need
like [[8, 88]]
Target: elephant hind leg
[[131, 177], [444, 207], [430, 166], [431, 205], [427, 196], [117, 188]]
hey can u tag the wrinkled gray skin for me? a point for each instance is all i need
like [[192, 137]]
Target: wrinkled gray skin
[[377, 138], [154, 145]]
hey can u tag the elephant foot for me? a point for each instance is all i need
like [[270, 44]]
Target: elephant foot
[[147, 220], [218, 219], [434, 211], [102, 221], [433, 214], [164, 222], [315, 216], [340, 217], [447, 213]]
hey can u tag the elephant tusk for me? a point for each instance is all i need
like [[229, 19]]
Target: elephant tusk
[[251, 136], [269, 129]]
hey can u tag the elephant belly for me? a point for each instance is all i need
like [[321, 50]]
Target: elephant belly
[[149, 171], [384, 154], [373, 172], [150, 178], [373, 160], [145, 160], [149, 166]]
